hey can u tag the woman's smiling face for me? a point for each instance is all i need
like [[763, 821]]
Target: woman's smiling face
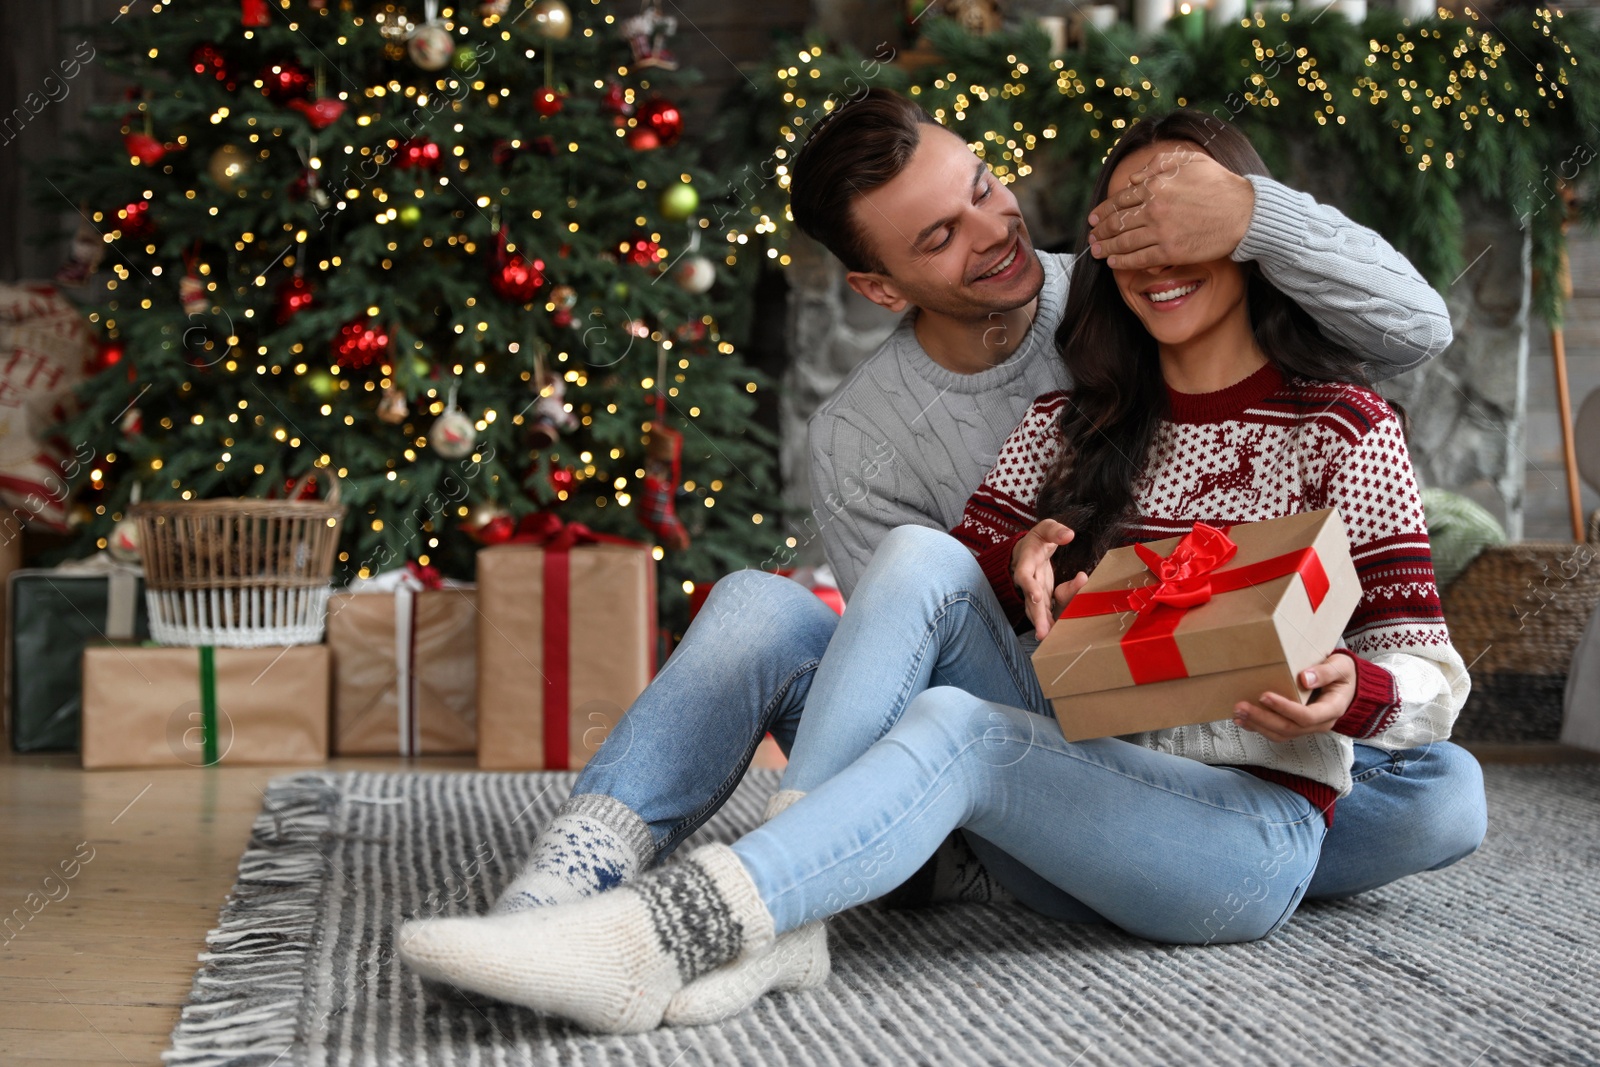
[[1176, 304]]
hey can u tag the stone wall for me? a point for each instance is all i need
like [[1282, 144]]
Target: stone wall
[[1468, 407]]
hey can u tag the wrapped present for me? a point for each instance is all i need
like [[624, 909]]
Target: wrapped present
[[405, 653], [1178, 631], [817, 579], [566, 635], [53, 614], [166, 706]]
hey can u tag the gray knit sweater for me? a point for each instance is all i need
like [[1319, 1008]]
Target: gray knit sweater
[[903, 441]]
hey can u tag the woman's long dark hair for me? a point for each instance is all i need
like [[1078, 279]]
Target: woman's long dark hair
[[1118, 396]]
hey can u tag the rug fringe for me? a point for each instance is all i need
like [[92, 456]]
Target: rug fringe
[[242, 1009]]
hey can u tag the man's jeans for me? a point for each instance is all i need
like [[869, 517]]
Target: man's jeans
[[765, 655]]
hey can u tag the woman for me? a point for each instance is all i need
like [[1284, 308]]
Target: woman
[[1202, 394]]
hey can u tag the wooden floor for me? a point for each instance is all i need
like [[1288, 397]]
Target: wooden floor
[[93, 968]]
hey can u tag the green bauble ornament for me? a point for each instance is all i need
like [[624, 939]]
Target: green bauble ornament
[[678, 202], [421, 369], [620, 290], [464, 58], [409, 216], [323, 384]]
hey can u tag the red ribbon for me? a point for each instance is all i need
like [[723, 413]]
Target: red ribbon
[[1186, 579], [427, 576], [558, 538]]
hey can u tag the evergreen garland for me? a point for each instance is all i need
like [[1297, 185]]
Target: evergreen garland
[[1417, 114]]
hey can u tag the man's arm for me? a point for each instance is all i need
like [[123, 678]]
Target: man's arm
[[1185, 207], [1353, 282], [859, 492]]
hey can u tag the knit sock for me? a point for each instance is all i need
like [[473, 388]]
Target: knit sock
[[594, 843], [796, 960], [952, 873], [611, 962]]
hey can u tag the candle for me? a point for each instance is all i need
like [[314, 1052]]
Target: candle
[[1354, 10], [1226, 13], [1149, 16], [1055, 28], [1101, 16], [1190, 20]]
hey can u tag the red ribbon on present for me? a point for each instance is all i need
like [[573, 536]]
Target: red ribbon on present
[[558, 538], [427, 576], [1186, 579]]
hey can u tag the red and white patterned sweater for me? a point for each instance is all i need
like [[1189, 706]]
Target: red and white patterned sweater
[[1261, 449]]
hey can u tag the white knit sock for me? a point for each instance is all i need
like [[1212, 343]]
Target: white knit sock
[[611, 962], [796, 960], [594, 843]]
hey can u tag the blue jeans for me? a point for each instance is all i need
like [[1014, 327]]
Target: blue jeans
[[762, 652]]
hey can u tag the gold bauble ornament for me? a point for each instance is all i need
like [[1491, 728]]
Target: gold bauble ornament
[[551, 19]]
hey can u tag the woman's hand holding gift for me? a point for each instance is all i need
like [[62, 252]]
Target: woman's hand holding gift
[[1035, 578], [1277, 718]]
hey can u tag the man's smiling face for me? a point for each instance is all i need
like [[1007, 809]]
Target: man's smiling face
[[949, 236]]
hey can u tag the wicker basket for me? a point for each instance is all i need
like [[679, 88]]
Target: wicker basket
[[239, 573], [1516, 615]]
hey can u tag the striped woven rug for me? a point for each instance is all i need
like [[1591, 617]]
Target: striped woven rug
[[1492, 961]]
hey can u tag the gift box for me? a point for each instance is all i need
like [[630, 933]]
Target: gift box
[[53, 615], [405, 670], [1178, 631], [817, 579], [167, 706], [566, 636]]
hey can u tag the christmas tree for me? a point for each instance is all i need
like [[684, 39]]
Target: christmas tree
[[454, 256]]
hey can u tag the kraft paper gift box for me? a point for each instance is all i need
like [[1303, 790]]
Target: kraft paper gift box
[[167, 706], [405, 671], [566, 640], [1178, 631], [54, 613]]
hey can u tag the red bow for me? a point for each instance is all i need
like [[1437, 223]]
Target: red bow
[[1185, 576], [428, 576], [548, 531], [1184, 580]]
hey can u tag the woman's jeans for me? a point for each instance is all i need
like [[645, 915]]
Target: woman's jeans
[[766, 655]]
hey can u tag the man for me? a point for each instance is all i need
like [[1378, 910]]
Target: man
[[924, 227]]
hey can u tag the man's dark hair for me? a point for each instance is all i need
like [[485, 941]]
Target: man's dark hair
[[860, 145]]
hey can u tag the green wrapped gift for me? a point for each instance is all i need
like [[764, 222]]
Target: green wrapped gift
[[53, 615]]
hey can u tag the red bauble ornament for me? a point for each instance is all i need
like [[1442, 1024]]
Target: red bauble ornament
[[208, 60], [616, 100], [359, 344], [254, 13], [135, 221], [643, 139], [662, 117], [561, 317], [563, 480], [294, 490], [107, 354], [547, 101], [644, 253], [285, 80], [504, 152], [294, 296], [417, 152], [319, 113], [512, 275], [544, 145], [144, 149]]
